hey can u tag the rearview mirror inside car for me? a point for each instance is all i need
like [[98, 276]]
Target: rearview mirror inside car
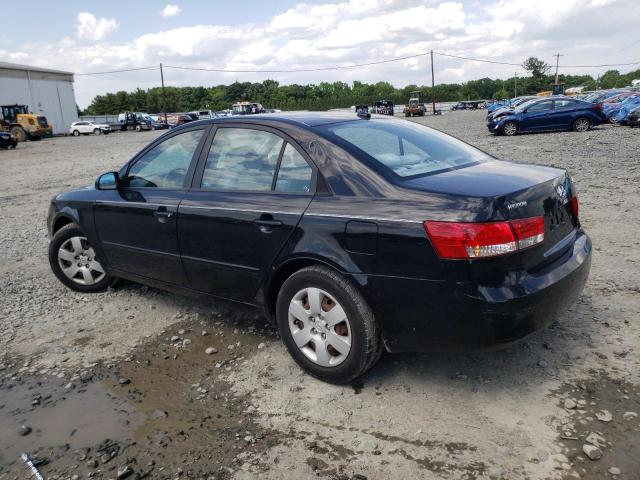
[[108, 181]]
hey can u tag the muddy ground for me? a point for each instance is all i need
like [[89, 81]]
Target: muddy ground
[[119, 385]]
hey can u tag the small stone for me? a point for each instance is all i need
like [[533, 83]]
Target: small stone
[[358, 476], [181, 332], [629, 415], [69, 386], [615, 471], [159, 414], [261, 346], [204, 333], [594, 453], [93, 463], [124, 472], [231, 347], [186, 342], [124, 381], [175, 338], [24, 430], [570, 404], [211, 350], [249, 439], [595, 439], [543, 364], [604, 416]]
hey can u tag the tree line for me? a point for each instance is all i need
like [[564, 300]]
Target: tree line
[[325, 95]]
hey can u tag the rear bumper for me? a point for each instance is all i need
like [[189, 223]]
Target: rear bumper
[[419, 315]]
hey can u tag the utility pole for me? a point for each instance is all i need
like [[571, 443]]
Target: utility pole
[[515, 87], [164, 101], [557, 55], [433, 87]]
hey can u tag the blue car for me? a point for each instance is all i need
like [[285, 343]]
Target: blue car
[[548, 113], [620, 113]]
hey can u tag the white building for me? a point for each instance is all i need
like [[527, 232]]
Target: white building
[[46, 92]]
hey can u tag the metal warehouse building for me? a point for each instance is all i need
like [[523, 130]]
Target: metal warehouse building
[[46, 92]]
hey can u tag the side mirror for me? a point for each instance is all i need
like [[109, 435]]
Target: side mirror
[[108, 181]]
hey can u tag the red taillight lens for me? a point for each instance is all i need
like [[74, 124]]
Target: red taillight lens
[[456, 240], [575, 206], [599, 106]]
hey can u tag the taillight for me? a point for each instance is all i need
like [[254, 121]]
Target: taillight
[[599, 106], [575, 206], [462, 240]]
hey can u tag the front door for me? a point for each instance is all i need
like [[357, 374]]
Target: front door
[[249, 196], [137, 224], [537, 116]]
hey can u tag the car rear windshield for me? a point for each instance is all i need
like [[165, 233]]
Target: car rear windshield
[[406, 148]]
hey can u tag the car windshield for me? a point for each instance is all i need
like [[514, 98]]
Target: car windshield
[[406, 148], [526, 104]]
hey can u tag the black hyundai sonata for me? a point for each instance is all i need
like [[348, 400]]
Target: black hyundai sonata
[[355, 234]]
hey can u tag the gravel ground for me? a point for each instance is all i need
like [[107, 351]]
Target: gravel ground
[[119, 383]]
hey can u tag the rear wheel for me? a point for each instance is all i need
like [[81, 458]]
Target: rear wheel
[[581, 124], [76, 133], [510, 128], [138, 128], [97, 131], [19, 134], [327, 325], [73, 260]]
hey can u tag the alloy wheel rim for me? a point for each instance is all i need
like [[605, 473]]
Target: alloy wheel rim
[[320, 327], [509, 129], [582, 125], [78, 262]]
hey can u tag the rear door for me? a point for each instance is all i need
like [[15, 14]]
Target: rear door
[[137, 224], [563, 113], [537, 116], [249, 194]]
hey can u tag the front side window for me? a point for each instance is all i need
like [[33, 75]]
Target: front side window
[[242, 159], [166, 164], [540, 107], [406, 148]]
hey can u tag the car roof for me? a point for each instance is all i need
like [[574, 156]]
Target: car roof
[[303, 119]]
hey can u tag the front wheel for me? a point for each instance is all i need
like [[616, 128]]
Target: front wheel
[[97, 131], [581, 124], [510, 128], [327, 326], [73, 260], [76, 133]]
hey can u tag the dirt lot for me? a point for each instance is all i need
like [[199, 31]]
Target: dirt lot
[[119, 385]]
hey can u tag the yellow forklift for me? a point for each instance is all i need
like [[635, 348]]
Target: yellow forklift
[[23, 125]]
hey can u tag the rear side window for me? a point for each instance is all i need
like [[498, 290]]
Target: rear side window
[[242, 159], [406, 148], [294, 174], [565, 104]]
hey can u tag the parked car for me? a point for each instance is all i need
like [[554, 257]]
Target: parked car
[[158, 124], [7, 140], [620, 113], [634, 118], [516, 102], [86, 128], [548, 113], [182, 119], [355, 234]]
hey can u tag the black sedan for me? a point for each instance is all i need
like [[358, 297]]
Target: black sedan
[[7, 140], [356, 234]]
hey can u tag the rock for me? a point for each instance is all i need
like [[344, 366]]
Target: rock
[[595, 439], [594, 453], [358, 476], [124, 381], [629, 415], [249, 439], [181, 332], [175, 338], [124, 472], [615, 471], [92, 463], [211, 350], [261, 346], [24, 430], [543, 364], [186, 342], [231, 347], [204, 333], [159, 414], [570, 404], [604, 416]]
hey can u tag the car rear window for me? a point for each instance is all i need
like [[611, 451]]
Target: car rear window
[[406, 148]]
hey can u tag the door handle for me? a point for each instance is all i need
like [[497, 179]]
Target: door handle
[[162, 214], [266, 223]]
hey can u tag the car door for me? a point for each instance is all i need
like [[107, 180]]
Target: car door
[[137, 224], [563, 113], [537, 116], [250, 191]]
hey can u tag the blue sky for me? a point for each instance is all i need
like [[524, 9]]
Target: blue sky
[[92, 36]]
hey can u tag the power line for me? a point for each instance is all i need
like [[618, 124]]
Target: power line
[[484, 60], [118, 71]]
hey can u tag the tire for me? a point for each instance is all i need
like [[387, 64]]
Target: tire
[[76, 133], [138, 128], [97, 131], [357, 337], [72, 240], [581, 124], [19, 133], [509, 128]]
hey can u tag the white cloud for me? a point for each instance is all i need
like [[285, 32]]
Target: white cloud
[[353, 31], [88, 27], [170, 11]]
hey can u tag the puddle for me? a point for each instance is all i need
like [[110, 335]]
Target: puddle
[[618, 435], [164, 409]]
